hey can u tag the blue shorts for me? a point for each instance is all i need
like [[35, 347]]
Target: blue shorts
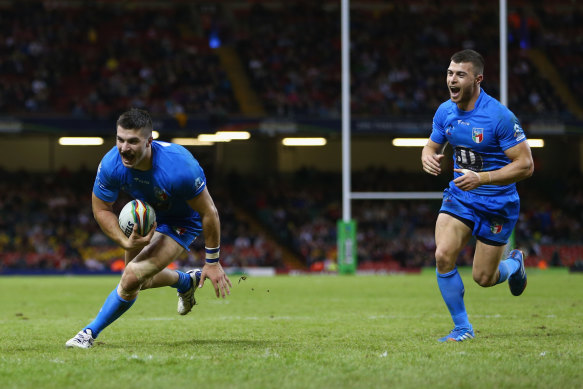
[[182, 235], [491, 218]]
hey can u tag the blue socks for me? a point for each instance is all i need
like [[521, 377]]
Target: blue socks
[[112, 309], [452, 290], [184, 282], [115, 306], [506, 268]]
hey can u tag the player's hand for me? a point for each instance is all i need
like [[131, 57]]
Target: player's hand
[[432, 163], [136, 241], [468, 180], [219, 279]]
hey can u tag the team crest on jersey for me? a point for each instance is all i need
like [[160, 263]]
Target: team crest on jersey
[[496, 227], [161, 194], [477, 135]]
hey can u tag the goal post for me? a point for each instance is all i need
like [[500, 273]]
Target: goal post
[[347, 258]]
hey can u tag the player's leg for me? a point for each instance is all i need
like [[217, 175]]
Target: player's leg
[[493, 231], [487, 269], [184, 283], [175, 278], [451, 235], [148, 268], [517, 279], [140, 270]]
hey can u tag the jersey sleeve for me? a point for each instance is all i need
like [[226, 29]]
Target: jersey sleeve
[[105, 187], [438, 128], [510, 132], [192, 180]]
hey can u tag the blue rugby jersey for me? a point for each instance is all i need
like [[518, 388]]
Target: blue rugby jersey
[[479, 137], [174, 178]]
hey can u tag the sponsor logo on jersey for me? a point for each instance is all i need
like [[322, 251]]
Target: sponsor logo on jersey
[[477, 135], [496, 227], [179, 230]]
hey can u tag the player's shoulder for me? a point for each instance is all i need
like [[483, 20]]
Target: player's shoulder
[[110, 161], [445, 109], [496, 110], [174, 157], [173, 153], [168, 148]]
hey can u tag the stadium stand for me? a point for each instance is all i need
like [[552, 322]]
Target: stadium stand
[[94, 62], [46, 224], [65, 59]]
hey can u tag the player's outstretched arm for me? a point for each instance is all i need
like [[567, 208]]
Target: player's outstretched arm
[[108, 221], [431, 157], [211, 227]]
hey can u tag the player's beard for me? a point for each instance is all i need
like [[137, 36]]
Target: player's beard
[[462, 96]]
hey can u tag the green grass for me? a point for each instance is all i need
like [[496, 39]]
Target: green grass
[[295, 332]]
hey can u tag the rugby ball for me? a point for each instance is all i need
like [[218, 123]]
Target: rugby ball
[[139, 213]]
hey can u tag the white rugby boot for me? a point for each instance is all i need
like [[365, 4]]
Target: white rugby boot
[[84, 339], [186, 300]]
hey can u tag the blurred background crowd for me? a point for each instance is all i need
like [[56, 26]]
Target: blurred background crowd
[[46, 223], [94, 59]]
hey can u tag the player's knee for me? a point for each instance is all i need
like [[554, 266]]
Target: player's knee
[[130, 282], [483, 279], [444, 260]]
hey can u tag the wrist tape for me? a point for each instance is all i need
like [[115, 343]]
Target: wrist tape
[[212, 255]]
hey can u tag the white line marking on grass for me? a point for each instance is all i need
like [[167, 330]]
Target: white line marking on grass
[[268, 353]]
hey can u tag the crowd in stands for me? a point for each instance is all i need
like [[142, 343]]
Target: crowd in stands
[[46, 221], [564, 43], [303, 210], [46, 224], [97, 59], [399, 54]]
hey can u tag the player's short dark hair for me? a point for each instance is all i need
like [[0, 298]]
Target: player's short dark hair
[[472, 57], [135, 119]]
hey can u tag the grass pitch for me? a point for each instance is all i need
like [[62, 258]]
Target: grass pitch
[[295, 332]]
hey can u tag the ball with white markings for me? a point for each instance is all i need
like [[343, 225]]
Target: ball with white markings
[[139, 213]]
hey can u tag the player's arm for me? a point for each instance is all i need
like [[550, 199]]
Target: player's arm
[[108, 222], [431, 157], [520, 167], [211, 229]]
